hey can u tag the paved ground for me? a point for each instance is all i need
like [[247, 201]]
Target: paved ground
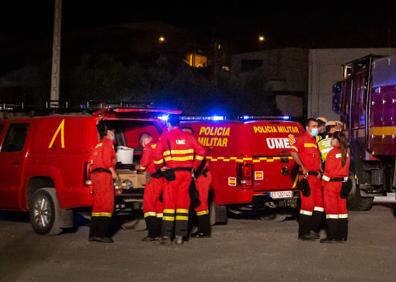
[[246, 249]]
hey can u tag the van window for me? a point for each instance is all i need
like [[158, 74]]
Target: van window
[[15, 138]]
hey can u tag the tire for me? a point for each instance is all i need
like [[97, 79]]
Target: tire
[[218, 214], [355, 201], [46, 216]]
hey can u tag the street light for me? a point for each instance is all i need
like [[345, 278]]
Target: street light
[[261, 38], [161, 39]]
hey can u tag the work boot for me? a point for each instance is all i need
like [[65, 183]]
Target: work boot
[[166, 241], [203, 227], [314, 235], [179, 240], [304, 226], [306, 237], [102, 239], [332, 231], [317, 221], [151, 239], [342, 235]]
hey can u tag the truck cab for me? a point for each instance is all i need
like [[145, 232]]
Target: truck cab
[[44, 162]]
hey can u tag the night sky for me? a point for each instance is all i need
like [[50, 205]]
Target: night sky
[[25, 25]]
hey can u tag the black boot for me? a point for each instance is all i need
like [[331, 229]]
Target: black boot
[[332, 230], [102, 229], [179, 240], [317, 221], [93, 229], [304, 227], [342, 230], [151, 229], [203, 227]]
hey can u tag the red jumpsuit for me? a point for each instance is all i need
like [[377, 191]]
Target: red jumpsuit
[[311, 206], [181, 152], [335, 206], [103, 158], [152, 206], [203, 183]]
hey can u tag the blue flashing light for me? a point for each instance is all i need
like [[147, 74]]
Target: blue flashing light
[[217, 118], [286, 117], [164, 117]]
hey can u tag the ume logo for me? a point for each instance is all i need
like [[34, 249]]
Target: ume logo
[[278, 143]]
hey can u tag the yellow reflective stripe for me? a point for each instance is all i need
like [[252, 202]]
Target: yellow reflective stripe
[[295, 182], [168, 218], [179, 159], [343, 215], [310, 145], [168, 211], [106, 214], [199, 158], [178, 152], [161, 161], [181, 217], [294, 148], [160, 215], [202, 212], [182, 211], [247, 159], [147, 214]]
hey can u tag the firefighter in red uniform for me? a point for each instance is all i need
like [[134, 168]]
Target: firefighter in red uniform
[[102, 176], [178, 154], [203, 180], [306, 154], [336, 188], [152, 206]]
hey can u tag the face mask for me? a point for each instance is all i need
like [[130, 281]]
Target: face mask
[[314, 132]]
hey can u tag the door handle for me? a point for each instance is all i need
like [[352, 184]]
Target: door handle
[[16, 163]]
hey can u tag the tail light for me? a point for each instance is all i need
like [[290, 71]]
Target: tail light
[[87, 174], [245, 174]]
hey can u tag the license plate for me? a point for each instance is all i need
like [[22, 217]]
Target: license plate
[[281, 194]]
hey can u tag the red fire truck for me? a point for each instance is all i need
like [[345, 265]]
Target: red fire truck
[[44, 161], [366, 102]]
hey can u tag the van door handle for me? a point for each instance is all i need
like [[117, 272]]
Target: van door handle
[[16, 163]]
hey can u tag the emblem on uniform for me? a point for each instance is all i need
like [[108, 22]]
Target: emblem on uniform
[[180, 141], [292, 139]]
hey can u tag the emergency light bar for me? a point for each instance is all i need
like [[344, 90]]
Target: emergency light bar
[[263, 117], [203, 118]]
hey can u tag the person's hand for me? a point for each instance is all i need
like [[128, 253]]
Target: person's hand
[[164, 168], [114, 175]]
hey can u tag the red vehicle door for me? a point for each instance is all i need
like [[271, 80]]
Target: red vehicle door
[[12, 155]]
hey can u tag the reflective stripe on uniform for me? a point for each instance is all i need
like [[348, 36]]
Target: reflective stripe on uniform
[[168, 211], [304, 212], [179, 159], [199, 158], [294, 148], [168, 218], [161, 161], [202, 212], [343, 215], [332, 216], [178, 152], [181, 217], [182, 211], [159, 215], [319, 209], [106, 214], [326, 178], [147, 214], [310, 145]]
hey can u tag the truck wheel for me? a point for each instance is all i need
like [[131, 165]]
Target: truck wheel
[[45, 213], [218, 214], [355, 201]]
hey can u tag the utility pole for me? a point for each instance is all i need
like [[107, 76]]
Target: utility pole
[[56, 50]]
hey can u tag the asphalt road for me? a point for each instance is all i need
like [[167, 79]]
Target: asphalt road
[[246, 249]]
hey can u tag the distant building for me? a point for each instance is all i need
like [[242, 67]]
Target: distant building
[[284, 72]]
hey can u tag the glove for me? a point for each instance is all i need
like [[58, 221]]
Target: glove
[[304, 187], [346, 189]]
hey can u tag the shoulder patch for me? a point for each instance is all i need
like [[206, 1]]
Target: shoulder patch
[[292, 139], [153, 146]]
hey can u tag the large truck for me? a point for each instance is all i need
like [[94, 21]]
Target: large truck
[[366, 102]]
